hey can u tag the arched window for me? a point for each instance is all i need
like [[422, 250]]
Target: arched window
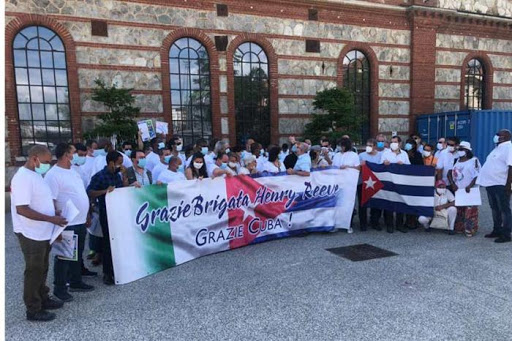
[[474, 85], [189, 67], [252, 95], [356, 78], [41, 87]]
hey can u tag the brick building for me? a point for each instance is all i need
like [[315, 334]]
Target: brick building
[[232, 69]]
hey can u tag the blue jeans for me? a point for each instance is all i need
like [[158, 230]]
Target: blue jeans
[[501, 214], [63, 270]]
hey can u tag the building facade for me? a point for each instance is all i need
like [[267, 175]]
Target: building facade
[[234, 69]]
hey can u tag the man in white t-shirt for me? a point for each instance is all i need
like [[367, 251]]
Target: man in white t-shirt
[[153, 159], [175, 172], [220, 167], [164, 155], [496, 177], [446, 159], [86, 168], [33, 219], [66, 185]]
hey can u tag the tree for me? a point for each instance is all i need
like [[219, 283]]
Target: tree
[[337, 118], [119, 120]]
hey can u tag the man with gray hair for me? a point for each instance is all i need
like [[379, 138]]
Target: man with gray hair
[[33, 219], [303, 165]]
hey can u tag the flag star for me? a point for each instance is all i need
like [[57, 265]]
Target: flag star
[[370, 183], [248, 211]]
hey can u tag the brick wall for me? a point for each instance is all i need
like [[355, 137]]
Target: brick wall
[[416, 66]]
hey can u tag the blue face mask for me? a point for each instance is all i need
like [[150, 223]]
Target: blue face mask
[[142, 163], [408, 146], [161, 145], [294, 148], [78, 160], [181, 168], [204, 150], [223, 165], [496, 139], [228, 151], [128, 152], [43, 168], [167, 159], [380, 145], [262, 152], [99, 152]]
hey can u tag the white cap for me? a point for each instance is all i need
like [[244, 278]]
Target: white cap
[[465, 145]]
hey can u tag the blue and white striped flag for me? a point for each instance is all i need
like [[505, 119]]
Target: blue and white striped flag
[[399, 188]]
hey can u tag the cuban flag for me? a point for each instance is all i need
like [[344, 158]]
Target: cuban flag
[[406, 189]]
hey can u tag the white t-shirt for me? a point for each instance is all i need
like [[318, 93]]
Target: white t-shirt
[[167, 176], [393, 157], [260, 163], [347, 159], [29, 188], [83, 175], [208, 158], [495, 169], [86, 168], [443, 199], [99, 163], [243, 171], [158, 169], [364, 156], [127, 162], [464, 172], [445, 162], [210, 168], [152, 159], [271, 167], [66, 184]]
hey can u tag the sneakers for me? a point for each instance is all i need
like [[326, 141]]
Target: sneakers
[[42, 315], [87, 273], [64, 296], [503, 240], [51, 304], [80, 287]]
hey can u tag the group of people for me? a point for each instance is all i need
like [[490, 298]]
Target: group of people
[[84, 174]]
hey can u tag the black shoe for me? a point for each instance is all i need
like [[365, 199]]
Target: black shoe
[[492, 235], [451, 233], [108, 280], [402, 229], [64, 296], [80, 287], [51, 304], [427, 229], [364, 228], [377, 227], [390, 229], [41, 315], [87, 273], [503, 240]]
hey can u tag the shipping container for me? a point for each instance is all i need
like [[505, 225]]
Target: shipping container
[[475, 126]]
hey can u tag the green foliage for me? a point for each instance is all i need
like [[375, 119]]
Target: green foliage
[[338, 116], [120, 118]]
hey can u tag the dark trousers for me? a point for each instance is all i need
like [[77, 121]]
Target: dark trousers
[[388, 218], [500, 207], [65, 270], [363, 212], [36, 254], [108, 268]]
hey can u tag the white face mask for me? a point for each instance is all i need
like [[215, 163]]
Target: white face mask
[[441, 191], [451, 149], [394, 146], [232, 165], [179, 147], [198, 165], [369, 149], [439, 146], [426, 154], [461, 153]]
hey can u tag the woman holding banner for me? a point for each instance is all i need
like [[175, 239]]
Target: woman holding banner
[[463, 178], [197, 168]]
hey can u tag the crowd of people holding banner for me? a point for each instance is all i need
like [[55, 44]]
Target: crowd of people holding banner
[[84, 174]]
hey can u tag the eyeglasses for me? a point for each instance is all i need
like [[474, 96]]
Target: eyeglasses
[[451, 145]]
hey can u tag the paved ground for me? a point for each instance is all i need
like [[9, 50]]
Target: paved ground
[[440, 287]]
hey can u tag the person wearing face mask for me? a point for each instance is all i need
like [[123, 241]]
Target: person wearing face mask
[[137, 175], [346, 157], [447, 160], [33, 218], [78, 162], [417, 139], [291, 159], [303, 165], [105, 145], [220, 167], [87, 167], [250, 165], [153, 158], [372, 155], [66, 184], [284, 152], [103, 182], [428, 158], [381, 142], [175, 144], [463, 177], [201, 147], [415, 157], [175, 172], [395, 154], [234, 163], [496, 177], [273, 164], [440, 147], [165, 156], [210, 156], [197, 168], [257, 151], [444, 210]]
